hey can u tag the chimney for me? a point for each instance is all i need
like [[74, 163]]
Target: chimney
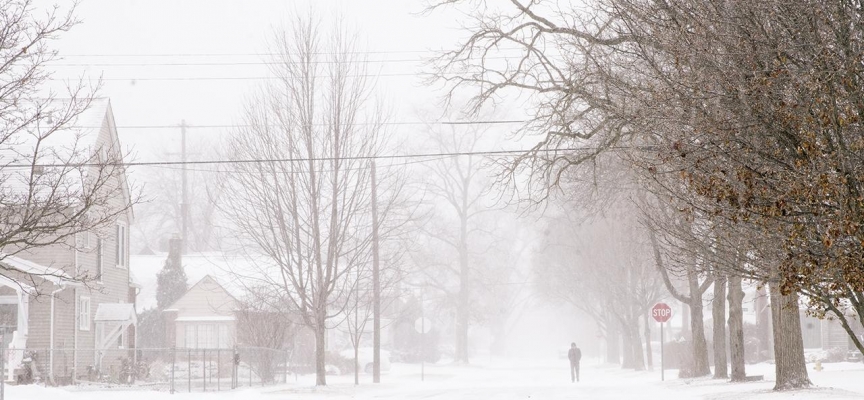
[[175, 250]]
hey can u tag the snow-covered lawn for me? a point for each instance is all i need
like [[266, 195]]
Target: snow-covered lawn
[[503, 380]]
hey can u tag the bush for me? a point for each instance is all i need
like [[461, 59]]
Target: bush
[[344, 365], [835, 354]]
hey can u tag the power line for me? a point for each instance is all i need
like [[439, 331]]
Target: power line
[[238, 63], [242, 54], [347, 158], [362, 168], [218, 126], [268, 54], [227, 78]]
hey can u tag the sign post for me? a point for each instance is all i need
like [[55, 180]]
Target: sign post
[[422, 326], [661, 313]]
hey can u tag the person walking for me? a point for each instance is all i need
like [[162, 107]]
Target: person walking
[[574, 355]]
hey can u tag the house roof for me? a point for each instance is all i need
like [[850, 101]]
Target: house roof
[[218, 318], [223, 268], [54, 275], [76, 142], [116, 312], [205, 279]]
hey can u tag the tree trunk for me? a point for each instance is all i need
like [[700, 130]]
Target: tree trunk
[[462, 327], [464, 296], [636, 346], [718, 314], [736, 328], [320, 350], [649, 357], [686, 331], [628, 360], [788, 344], [613, 346], [356, 364], [763, 324], [697, 328]]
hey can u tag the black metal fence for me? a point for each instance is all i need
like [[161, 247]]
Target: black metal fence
[[164, 369]]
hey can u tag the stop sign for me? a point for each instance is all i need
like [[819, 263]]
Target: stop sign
[[661, 312]]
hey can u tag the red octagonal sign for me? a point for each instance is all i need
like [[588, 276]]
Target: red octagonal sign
[[661, 312]]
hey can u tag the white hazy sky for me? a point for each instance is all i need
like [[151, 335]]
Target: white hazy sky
[[122, 39]]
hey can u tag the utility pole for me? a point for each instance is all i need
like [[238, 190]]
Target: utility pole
[[184, 201], [376, 286]]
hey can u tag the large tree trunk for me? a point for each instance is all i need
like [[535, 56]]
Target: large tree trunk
[[736, 328], [627, 361], [649, 357], [697, 328], [763, 324], [636, 346], [718, 314], [320, 350], [613, 343], [633, 357], [788, 344], [686, 330]]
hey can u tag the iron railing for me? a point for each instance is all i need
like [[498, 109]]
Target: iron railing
[[166, 369]]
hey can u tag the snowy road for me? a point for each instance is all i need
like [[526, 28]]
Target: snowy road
[[505, 380]]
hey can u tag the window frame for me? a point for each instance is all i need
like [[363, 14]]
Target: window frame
[[100, 259], [121, 245], [84, 318]]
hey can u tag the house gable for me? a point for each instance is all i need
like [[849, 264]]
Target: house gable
[[108, 140], [206, 298]]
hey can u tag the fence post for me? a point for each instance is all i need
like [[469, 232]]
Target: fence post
[[173, 366], [204, 367], [286, 367], [218, 369], [2, 371], [189, 372]]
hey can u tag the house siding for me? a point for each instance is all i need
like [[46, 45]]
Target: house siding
[[205, 299], [113, 287]]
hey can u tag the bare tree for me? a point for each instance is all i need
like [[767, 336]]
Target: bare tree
[[159, 218], [758, 120], [615, 277], [54, 182], [456, 192], [265, 320], [302, 204]]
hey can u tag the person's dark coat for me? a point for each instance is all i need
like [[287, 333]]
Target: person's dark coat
[[574, 355]]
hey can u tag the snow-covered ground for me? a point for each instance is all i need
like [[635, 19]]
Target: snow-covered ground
[[503, 380]]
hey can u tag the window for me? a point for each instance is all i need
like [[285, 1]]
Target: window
[[223, 337], [207, 336], [191, 336], [84, 313], [99, 259], [121, 245]]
